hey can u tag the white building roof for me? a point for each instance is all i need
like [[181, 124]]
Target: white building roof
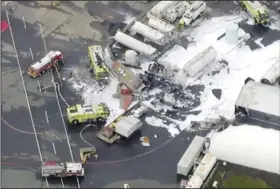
[[260, 97], [250, 146]]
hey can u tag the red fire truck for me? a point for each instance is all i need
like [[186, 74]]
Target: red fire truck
[[53, 58], [62, 169]]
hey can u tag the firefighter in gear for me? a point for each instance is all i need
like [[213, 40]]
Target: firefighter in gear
[[55, 4], [181, 23]]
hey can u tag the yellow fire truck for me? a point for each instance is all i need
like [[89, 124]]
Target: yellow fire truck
[[87, 113], [257, 11], [97, 64]]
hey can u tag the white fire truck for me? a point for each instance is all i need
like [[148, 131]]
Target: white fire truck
[[53, 58], [62, 169]]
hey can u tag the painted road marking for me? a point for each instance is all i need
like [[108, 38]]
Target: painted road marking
[[40, 88], [42, 35], [25, 92], [47, 118], [56, 137], [59, 107], [54, 148], [23, 22], [62, 183], [31, 54]]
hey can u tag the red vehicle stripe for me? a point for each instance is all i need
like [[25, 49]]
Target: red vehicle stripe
[[4, 26]]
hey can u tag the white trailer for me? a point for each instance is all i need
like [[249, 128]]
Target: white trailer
[[158, 9], [272, 75], [200, 61], [148, 32], [127, 126], [160, 25], [196, 9], [134, 43], [194, 182], [176, 11], [205, 166], [188, 159]]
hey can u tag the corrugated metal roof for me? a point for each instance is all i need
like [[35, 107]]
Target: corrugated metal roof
[[260, 97]]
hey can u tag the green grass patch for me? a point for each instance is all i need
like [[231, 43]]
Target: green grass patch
[[242, 181]]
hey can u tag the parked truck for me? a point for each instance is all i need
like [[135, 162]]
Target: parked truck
[[62, 169], [257, 11], [192, 12], [97, 64], [172, 13], [52, 59], [82, 113], [189, 157], [158, 9]]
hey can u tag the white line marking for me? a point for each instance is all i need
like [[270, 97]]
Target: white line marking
[[42, 36], [62, 183], [59, 107], [47, 118], [54, 148], [24, 22], [56, 137], [40, 88], [58, 89], [31, 54], [25, 92]]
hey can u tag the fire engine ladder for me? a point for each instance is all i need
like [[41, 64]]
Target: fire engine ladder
[[85, 153]]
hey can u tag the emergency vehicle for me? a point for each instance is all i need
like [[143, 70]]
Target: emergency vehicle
[[62, 169], [53, 58], [257, 11], [97, 64], [87, 113]]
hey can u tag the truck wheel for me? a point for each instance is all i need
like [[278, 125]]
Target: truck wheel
[[75, 122], [100, 119]]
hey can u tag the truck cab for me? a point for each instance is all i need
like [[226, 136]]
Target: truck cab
[[87, 113], [97, 63], [257, 11]]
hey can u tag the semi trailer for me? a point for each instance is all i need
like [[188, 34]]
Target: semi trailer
[[200, 61], [134, 44], [150, 33], [257, 11], [160, 25], [193, 12], [272, 75]]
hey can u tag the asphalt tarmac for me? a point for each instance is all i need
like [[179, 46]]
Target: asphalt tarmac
[[125, 162]]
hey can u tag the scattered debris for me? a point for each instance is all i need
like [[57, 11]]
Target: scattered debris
[[145, 141]]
